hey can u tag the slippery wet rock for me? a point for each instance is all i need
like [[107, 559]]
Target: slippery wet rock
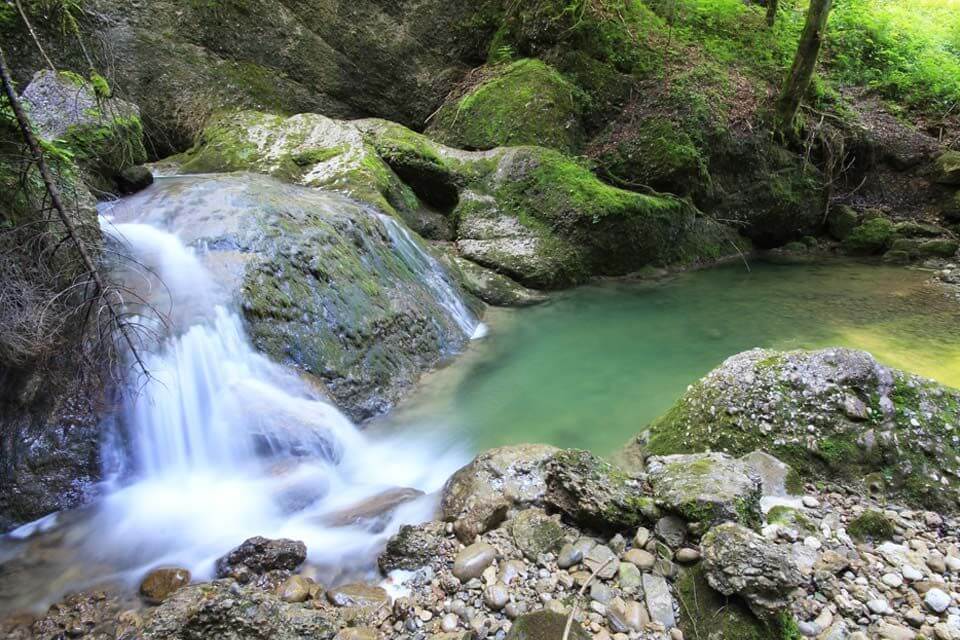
[[160, 583], [535, 533], [415, 546], [295, 589], [595, 493], [472, 560], [545, 625], [738, 561], [476, 497], [259, 555], [707, 487], [358, 595]]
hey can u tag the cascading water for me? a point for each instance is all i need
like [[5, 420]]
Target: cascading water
[[222, 444], [432, 274]]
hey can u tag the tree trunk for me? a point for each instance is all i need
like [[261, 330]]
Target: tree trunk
[[772, 6], [804, 64]]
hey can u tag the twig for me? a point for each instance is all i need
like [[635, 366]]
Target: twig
[[54, 193], [583, 590]]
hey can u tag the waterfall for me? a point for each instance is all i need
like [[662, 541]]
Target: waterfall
[[221, 444], [434, 276]]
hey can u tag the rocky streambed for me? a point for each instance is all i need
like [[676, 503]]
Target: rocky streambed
[[535, 542]]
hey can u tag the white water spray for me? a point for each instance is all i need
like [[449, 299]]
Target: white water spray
[[222, 444]]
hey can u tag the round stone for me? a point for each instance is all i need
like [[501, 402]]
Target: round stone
[[449, 622], [471, 561], [892, 580], [496, 596], [687, 555], [937, 600]]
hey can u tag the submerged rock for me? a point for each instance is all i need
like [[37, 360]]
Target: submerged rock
[[259, 555], [737, 561], [476, 497], [709, 487], [799, 406]]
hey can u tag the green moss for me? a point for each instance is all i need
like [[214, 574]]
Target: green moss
[[316, 156], [792, 518], [524, 103], [707, 613], [871, 526], [870, 238]]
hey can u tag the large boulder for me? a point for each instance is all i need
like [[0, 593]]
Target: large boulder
[[476, 498], [104, 133], [321, 281], [737, 561], [594, 493], [259, 555], [706, 487], [830, 413], [947, 168], [526, 102]]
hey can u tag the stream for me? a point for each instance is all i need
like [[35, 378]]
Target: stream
[[222, 444]]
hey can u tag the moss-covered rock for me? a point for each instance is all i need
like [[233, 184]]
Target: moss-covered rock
[[864, 416], [947, 168], [526, 102], [596, 494], [491, 287], [709, 488], [707, 613], [545, 625], [841, 221], [104, 134], [870, 238], [656, 153], [871, 526]]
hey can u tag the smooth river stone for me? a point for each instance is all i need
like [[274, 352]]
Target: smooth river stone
[[471, 562], [358, 595]]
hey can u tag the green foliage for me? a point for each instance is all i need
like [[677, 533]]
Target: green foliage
[[100, 86]]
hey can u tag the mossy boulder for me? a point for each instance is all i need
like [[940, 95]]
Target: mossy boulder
[[709, 488], [706, 611], [920, 248], [654, 152], [545, 625], [104, 134], [841, 221], [568, 225], [319, 280], [871, 526], [593, 493], [865, 418], [946, 168], [493, 288], [526, 102], [873, 237]]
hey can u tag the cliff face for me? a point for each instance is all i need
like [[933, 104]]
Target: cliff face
[[183, 60]]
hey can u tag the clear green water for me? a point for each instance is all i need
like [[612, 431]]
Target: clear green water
[[594, 366]]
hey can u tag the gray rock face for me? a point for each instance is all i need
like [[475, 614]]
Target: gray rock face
[[214, 610], [476, 497], [594, 493], [738, 561], [799, 403], [706, 487], [259, 555], [104, 133], [776, 477], [494, 288]]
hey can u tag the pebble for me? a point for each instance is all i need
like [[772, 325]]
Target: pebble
[[810, 502], [601, 560], [937, 600], [911, 573], [642, 559], [892, 580], [569, 556], [687, 555], [449, 622], [496, 596], [472, 560], [878, 606], [641, 537]]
